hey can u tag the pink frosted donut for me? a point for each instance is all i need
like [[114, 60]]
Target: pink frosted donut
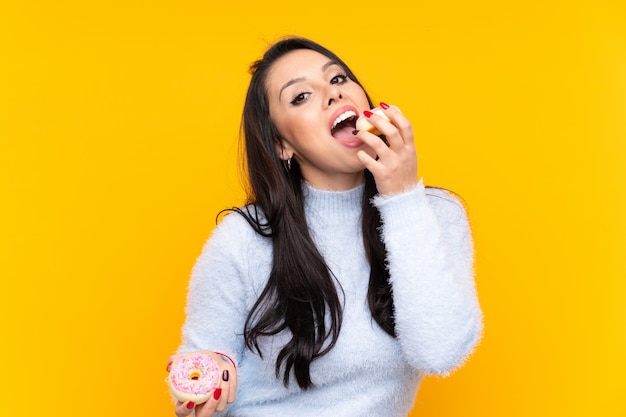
[[193, 377]]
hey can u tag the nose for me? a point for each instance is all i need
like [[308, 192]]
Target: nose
[[334, 95]]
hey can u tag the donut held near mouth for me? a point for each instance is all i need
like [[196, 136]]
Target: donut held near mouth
[[193, 377], [363, 123]]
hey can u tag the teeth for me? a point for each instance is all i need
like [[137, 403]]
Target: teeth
[[343, 117]]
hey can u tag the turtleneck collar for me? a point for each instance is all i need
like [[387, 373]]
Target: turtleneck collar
[[333, 205]]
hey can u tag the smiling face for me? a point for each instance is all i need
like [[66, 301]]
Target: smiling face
[[314, 106]]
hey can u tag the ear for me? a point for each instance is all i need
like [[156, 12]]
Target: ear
[[284, 150]]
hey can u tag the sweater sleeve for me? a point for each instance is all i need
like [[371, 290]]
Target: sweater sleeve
[[430, 260], [216, 311]]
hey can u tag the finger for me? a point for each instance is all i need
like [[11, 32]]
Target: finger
[[224, 394], [208, 408], [220, 395], [183, 409], [205, 409], [368, 162], [401, 123], [390, 122], [385, 130], [229, 385], [228, 376], [379, 147], [375, 121]]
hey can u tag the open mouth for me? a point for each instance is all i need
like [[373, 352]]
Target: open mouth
[[344, 125]]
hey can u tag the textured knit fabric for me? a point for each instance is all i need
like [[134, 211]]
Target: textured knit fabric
[[367, 373]]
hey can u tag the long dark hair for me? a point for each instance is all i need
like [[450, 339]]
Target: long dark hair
[[301, 295]]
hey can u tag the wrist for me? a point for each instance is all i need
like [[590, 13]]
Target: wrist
[[227, 358]]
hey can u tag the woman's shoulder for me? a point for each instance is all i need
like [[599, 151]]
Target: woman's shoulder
[[443, 196], [234, 234], [448, 205]]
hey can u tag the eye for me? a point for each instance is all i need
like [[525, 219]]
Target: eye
[[339, 79], [300, 98]]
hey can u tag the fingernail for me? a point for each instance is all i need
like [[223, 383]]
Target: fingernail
[[190, 405], [354, 132], [217, 394], [384, 105], [367, 113], [225, 375], [169, 367]]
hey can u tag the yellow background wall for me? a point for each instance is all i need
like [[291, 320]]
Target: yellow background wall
[[118, 139]]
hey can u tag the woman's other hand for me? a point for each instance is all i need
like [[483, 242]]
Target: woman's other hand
[[221, 396]]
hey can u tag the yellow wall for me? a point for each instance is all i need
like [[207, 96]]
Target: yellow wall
[[118, 138]]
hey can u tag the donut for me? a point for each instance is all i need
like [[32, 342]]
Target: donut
[[363, 123], [193, 377]]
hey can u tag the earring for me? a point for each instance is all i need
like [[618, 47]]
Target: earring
[[289, 164]]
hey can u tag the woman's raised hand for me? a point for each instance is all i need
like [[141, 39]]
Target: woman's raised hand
[[395, 167]]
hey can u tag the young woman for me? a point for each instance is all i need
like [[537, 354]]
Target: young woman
[[344, 280]]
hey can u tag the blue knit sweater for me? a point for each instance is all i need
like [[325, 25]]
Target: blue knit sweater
[[367, 373]]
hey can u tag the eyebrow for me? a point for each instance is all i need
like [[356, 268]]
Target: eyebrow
[[300, 79]]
